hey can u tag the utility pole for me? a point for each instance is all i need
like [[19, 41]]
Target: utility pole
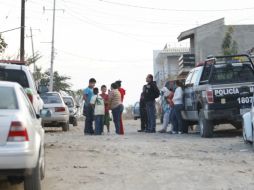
[[52, 49], [32, 44], [22, 32]]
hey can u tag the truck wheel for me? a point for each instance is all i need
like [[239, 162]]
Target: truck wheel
[[66, 127], [206, 126], [33, 181]]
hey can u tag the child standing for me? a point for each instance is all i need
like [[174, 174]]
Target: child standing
[[106, 104], [99, 111]]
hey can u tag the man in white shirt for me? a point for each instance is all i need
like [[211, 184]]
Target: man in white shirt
[[99, 111]]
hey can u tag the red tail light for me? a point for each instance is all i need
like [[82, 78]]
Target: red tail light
[[30, 96], [60, 109], [17, 133], [209, 96]]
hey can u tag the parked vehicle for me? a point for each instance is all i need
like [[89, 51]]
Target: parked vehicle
[[21, 138], [248, 127], [136, 111], [16, 71], [73, 109], [219, 91], [55, 113]]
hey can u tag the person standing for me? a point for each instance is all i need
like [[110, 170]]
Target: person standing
[[116, 106], [88, 109], [167, 108], [106, 105], [143, 113], [177, 109], [150, 94], [122, 92], [99, 111]]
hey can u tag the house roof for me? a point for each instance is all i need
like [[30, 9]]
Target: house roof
[[191, 32]]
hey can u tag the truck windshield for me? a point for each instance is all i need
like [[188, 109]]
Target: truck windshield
[[232, 73]]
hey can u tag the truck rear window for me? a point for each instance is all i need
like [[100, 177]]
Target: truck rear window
[[11, 75], [232, 73], [8, 99]]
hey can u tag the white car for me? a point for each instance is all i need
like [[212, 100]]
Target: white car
[[15, 71], [55, 112], [248, 128], [21, 138], [73, 109]]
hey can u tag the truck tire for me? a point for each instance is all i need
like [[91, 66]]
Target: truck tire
[[66, 127], [206, 126], [33, 181]]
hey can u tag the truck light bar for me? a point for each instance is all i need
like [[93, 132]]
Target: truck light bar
[[16, 62]]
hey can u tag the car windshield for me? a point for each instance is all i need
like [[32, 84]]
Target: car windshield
[[69, 102], [232, 73], [8, 99], [11, 75], [51, 99]]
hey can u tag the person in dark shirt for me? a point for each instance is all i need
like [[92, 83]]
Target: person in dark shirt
[[151, 92], [143, 113]]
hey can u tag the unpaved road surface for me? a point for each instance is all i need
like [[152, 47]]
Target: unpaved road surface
[[146, 161]]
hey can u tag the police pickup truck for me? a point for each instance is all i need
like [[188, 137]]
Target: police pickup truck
[[219, 91]]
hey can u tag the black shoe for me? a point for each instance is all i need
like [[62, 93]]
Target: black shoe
[[142, 130]]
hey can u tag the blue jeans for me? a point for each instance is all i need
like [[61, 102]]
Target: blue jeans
[[99, 122], [89, 119], [151, 116], [177, 119], [116, 112]]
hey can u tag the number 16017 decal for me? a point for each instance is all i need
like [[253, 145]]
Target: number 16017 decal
[[245, 100]]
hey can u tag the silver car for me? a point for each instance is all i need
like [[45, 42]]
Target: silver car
[[55, 112], [21, 138], [73, 109]]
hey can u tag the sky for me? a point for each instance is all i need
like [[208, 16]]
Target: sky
[[111, 39]]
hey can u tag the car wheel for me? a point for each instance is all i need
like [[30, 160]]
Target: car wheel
[[66, 127], [206, 126], [75, 122], [33, 181]]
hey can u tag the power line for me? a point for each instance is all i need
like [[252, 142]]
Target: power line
[[175, 10], [10, 30], [103, 60]]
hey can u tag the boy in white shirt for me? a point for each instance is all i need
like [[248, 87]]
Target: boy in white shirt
[[99, 111]]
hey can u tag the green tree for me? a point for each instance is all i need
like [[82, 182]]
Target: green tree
[[60, 81], [3, 45], [229, 46]]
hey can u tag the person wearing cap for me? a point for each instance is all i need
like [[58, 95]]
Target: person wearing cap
[[122, 92]]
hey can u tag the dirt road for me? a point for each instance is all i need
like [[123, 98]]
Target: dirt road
[[147, 161]]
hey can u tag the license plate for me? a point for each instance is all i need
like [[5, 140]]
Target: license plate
[[223, 101], [46, 113]]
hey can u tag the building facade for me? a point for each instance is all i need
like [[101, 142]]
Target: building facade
[[166, 64], [207, 39]]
